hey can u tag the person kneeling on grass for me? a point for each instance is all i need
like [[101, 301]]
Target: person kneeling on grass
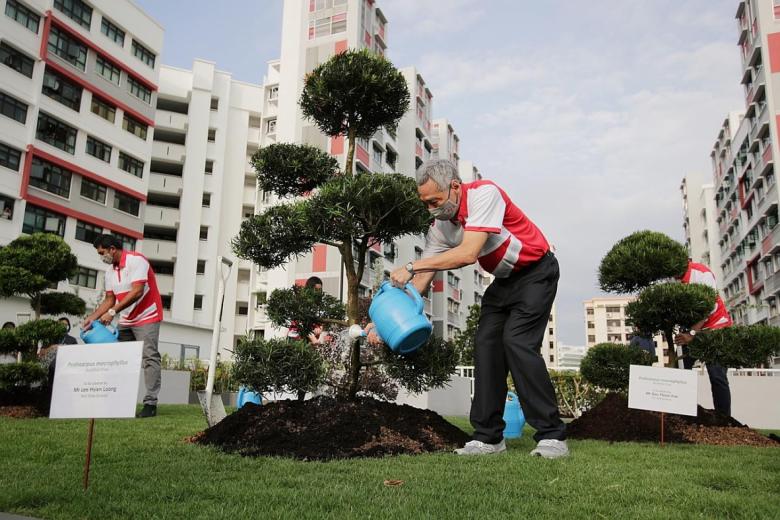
[[478, 222]]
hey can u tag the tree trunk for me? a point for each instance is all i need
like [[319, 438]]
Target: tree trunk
[[353, 282], [350, 153]]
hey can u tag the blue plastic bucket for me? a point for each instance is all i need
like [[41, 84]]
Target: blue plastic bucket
[[513, 417], [399, 318], [247, 396]]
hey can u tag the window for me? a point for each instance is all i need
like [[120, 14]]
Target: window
[[139, 91], [327, 26], [377, 155], [166, 301], [198, 303], [201, 268], [271, 126], [162, 267], [613, 309], [131, 165], [113, 32], [67, 48], [84, 277], [135, 127], [99, 149], [10, 157], [212, 135], [103, 109], [17, 60], [22, 14], [93, 190], [242, 308], [61, 89], [206, 200], [39, 220], [273, 93], [13, 108], [209, 167], [50, 177], [87, 232], [550, 332], [589, 312], [214, 103], [128, 243], [126, 203], [591, 325], [390, 158], [591, 339], [204, 232], [107, 69], [143, 54], [76, 10]]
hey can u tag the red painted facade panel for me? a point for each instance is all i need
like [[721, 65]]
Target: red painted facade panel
[[438, 286], [362, 154], [320, 258], [337, 145], [774, 51], [341, 46]]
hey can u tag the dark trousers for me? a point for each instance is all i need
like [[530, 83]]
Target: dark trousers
[[515, 313], [719, 382]]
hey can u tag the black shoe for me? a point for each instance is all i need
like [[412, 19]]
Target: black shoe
[[149, 410]]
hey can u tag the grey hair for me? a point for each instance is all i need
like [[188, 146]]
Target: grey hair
[[441, 171]]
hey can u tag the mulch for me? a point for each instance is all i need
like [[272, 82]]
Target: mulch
[[613, 420], [21, 412], [324, 428]]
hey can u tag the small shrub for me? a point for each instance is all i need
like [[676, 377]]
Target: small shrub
[[606, 365], [48, 332], [278, 365], [575, 395], [20, 382], [738, 346], [431, 366]]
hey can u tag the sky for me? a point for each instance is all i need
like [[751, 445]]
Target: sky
[[588, 114]]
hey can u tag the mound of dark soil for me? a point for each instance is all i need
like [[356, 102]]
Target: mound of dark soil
[[21, 412], [323, 429], [613, 420]]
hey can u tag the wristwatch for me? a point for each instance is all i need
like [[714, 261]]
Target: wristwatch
[[692, 332], [410, 268], [111, 312]]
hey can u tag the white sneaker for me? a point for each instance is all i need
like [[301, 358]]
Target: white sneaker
[[481, 448], [550, 449]]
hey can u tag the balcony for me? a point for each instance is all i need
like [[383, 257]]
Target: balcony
[[452, 317], [772, 285], [164, 283], [168, 151], [161, 216], [171, 120], [168, 184], [249, 195], [771, 242], [159, 249], [253, 136]]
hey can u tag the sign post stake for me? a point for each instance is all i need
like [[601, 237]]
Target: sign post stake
[[89, 453], [662, 429]]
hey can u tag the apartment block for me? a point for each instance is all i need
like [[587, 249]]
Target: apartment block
[[78, 90], [605, 321], [699, 222]]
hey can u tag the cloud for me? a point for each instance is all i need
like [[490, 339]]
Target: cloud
[[433, 18]]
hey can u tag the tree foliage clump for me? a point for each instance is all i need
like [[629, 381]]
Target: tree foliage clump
[[737, 347], [639, 260], [304, 308], [607, 365], [292, 170], [660, 308]]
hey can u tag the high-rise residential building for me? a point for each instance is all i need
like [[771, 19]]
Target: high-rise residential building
[[201, 187], [570, 356], [446, 142], [312, 32], [549, 350], [78, 90], [744, 174], [605, 322], [701, 228]]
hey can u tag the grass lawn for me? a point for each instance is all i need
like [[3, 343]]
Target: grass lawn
[[144, 469]]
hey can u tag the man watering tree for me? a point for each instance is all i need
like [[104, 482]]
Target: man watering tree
[[477, 222]]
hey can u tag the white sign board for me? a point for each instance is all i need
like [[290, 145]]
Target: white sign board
[[659, 389], [96, 381]]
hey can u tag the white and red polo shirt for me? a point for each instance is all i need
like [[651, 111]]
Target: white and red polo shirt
[[513, 241], [134, 269], [719, 317]]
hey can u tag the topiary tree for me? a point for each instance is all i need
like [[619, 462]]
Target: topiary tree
[[30, 264], [607, 365], [464, 339], [304, 308], [646, 261], [738, 346], [31, 334], [355, 93]]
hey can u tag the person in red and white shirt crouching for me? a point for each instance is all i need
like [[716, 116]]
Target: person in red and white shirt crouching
[[718, 319], [132, 294]]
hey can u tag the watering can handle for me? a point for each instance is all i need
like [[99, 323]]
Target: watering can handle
[[416, 297]]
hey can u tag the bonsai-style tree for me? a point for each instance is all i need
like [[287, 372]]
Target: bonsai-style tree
[[31, 264], [650, 262], [607, 365], [355, 93]]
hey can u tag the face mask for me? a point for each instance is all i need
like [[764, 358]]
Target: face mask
[[107, 258], [446, 211]]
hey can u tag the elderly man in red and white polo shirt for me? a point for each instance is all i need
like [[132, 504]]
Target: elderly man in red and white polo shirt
[[477, 222], [131, 293], [718, 319]]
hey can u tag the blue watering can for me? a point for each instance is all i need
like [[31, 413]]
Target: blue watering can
[[99, 333], [513, 417], [399, 318], [245, 395]]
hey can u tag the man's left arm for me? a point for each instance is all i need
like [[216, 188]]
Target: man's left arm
[[135, 293], [464, 254]]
